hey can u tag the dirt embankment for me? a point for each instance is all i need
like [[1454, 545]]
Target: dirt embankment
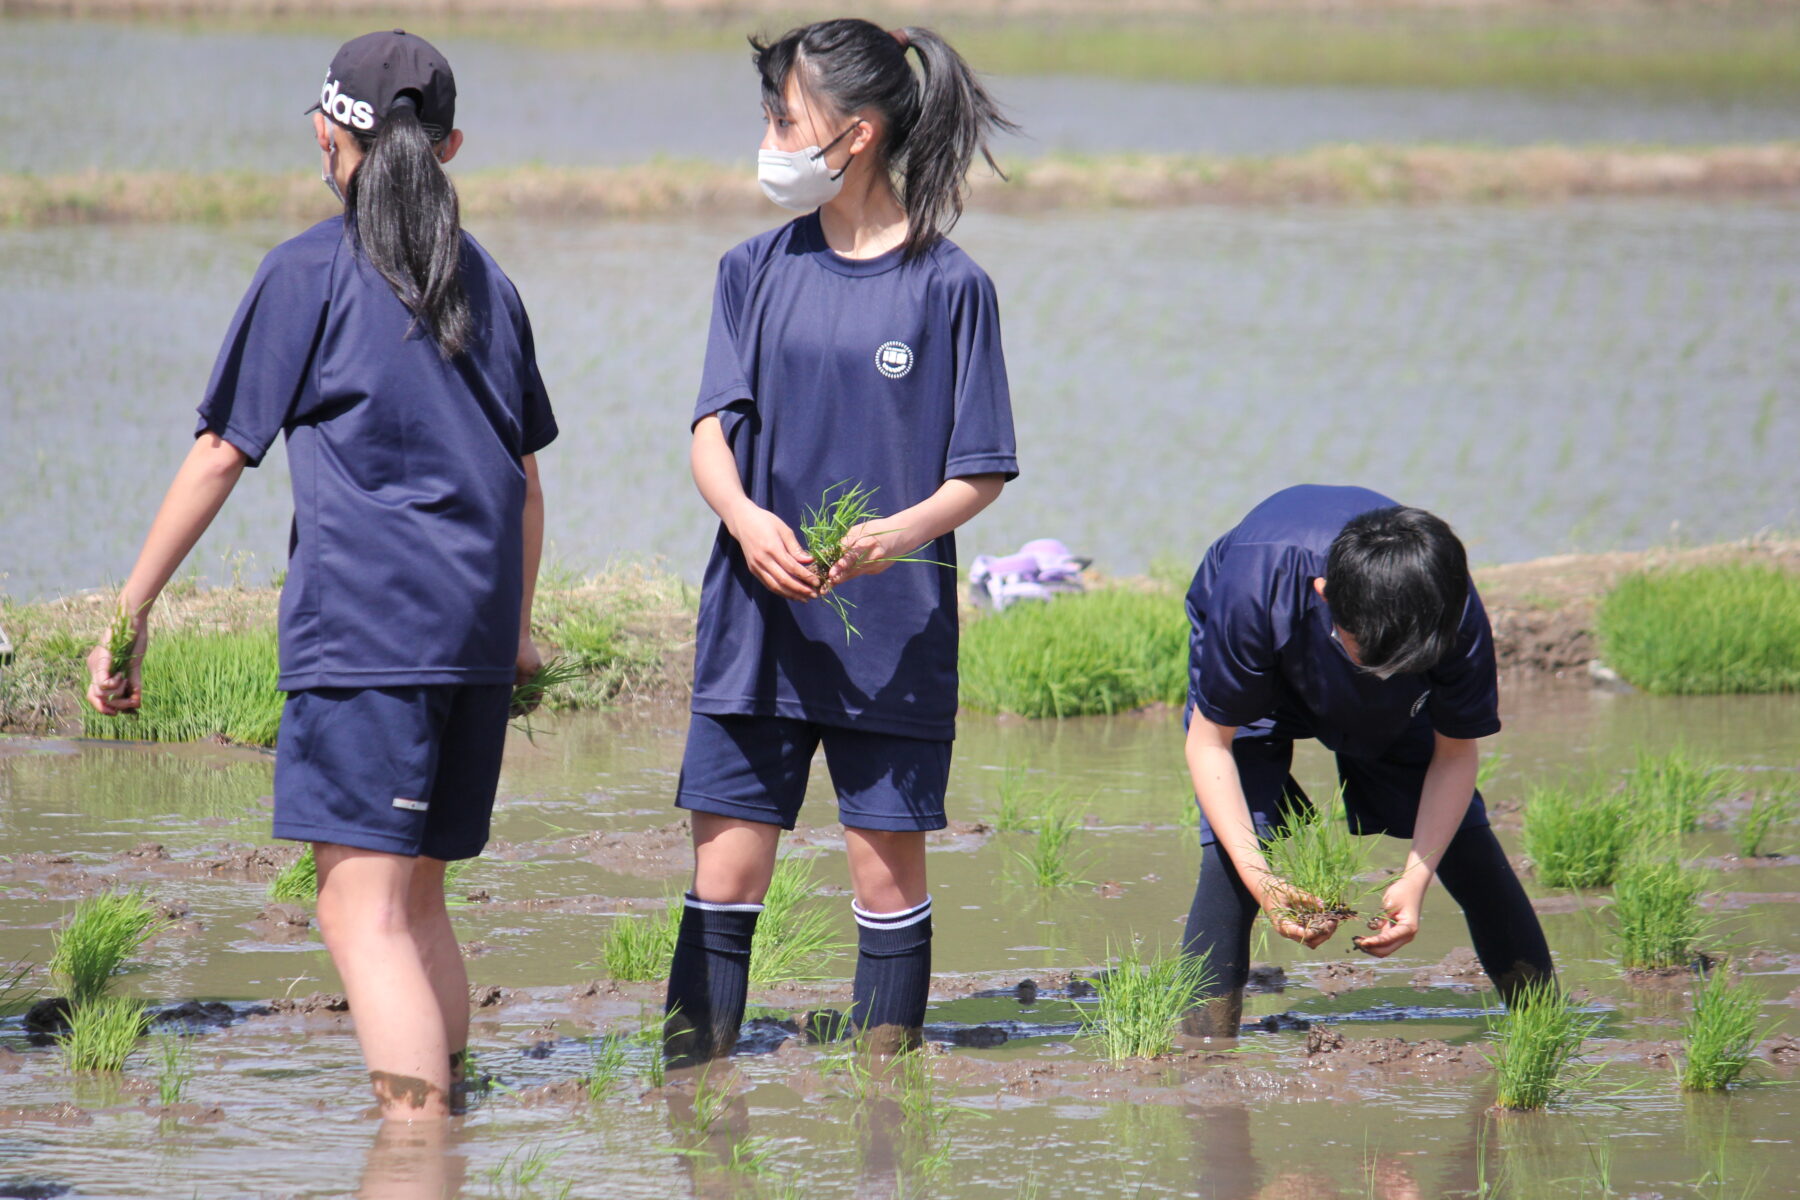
[[1341, 175]]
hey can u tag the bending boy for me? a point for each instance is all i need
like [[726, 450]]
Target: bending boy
[[1334, 613]]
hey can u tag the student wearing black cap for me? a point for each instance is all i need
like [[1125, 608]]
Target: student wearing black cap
[[397, 359], [1334, 613]]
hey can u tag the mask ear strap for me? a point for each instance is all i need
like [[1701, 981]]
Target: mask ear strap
[[823, 150]]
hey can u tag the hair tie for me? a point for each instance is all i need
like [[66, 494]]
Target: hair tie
[[903, 37]]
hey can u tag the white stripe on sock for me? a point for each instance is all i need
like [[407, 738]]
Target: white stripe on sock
[[693, 901], [896, 920]]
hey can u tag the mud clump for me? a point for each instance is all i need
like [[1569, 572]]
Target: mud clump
[[1783, 1051], [279, 922], [488, 995], [1338, 977], [1326, 1047], [307, 1006], [193, 1015], [1460, 969], [49, 1017], [1266, 977]]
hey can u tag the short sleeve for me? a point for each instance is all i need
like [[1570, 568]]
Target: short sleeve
[[981, 436], [538, 423], [1465, 689], [1231, 651], [723, 384], [263, 368]]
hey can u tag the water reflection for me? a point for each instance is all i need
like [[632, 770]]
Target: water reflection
[[414, 1160]]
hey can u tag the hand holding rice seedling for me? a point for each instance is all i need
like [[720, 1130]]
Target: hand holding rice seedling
[[1314, 867], [114, 666], [540, 686], [837, 530]]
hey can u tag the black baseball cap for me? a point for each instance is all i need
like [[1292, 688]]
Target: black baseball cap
[[370, 72]]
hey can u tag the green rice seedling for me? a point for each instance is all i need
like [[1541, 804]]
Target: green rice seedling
[[650, 1039], [1657, 904], [103, 932], [640, 949], [1769, 808], [1538, 1040], [298, 882], [1577, 839], [542, 687], [1139, 1003], [174, 1067], [1051, 862], [608, 1060], [102, 1033], [1720, 1033], [203, 685], [1704, 630], [1671, 794], [524, 1174], [17, 992], [1314, 852], [795, 937], [122, 639], [824, 529], [1104, 651], [1485, 773]]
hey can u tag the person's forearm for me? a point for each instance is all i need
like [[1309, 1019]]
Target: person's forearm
[[715, 470], [954, 503], [1443, 801], [1220, 791], [534, 542], [194, 498]]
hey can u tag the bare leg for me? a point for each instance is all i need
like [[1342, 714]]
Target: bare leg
[[430, 923], [364, 915], [733, 860]]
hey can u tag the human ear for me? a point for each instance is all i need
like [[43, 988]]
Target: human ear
[[446, 149], [322, 132], [1319, 586]]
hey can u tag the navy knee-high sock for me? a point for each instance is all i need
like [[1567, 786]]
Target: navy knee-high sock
[[708, 980], [893, 967]]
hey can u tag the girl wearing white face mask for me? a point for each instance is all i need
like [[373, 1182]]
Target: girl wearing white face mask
[[856, 343]]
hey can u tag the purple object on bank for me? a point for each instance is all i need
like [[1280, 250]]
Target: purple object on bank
[[1040, 570]]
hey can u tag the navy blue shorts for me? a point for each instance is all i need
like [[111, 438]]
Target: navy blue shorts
[[408, 770], [755, 768], [1381, 795]]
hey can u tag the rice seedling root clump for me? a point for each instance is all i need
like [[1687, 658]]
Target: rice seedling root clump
[[1315, 854], [102, 933]]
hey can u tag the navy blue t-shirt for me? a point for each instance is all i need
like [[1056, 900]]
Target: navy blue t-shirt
[[822, 370], [1263, 658], [405, 564]]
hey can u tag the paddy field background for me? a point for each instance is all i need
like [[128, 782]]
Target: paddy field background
[[1599, 366]]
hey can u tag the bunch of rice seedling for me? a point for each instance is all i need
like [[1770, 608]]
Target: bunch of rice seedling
[[1139, 1004], [824, 530], [550, 678], [1720, 1033], [1314, 852], [298, 882], [1658, 908], [174, 1067], [1708, 629], [1775, 806], [122, 641], [640, 949], [1050, 860], [1671, 793], [1538, 1039], [1577, 839], [794, 936], [203, 685], [1105, 651], [103, 932], [102, 1033]]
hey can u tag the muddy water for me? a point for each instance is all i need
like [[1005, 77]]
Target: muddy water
[[587, 103], [1265, 1121], [1591, 376]]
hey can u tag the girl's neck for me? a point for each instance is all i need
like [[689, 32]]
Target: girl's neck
[[864, 220]]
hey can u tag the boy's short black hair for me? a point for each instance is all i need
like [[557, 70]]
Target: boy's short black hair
[[1397, 580]]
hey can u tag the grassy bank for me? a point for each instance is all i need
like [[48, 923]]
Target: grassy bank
[[671, 189], [1705, 629], [1697, 48]]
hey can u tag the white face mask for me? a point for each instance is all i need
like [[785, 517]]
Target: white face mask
[[800, 179]]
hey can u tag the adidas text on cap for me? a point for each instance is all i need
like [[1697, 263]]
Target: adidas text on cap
[[371, 72]]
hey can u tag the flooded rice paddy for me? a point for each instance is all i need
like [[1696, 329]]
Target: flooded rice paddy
[[585, 837], [536, 101], [1588, 376]]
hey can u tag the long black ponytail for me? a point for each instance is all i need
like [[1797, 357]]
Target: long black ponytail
[[937, 118], [406, 220]]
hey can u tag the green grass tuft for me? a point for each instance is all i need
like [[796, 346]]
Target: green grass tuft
[[1577, 838], [1704, 630], [1538, 1040], [1769, 808], [1106, 651], [103, 932], [102, 1034], [639, 949], [1139, 1003], [1720, 1032], [1315, 852], [1657, 904], [1672, 793], [795, 939], [203, 685]]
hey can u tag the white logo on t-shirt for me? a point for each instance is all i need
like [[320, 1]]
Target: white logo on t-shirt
[[894, 359], [1420, 702]]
